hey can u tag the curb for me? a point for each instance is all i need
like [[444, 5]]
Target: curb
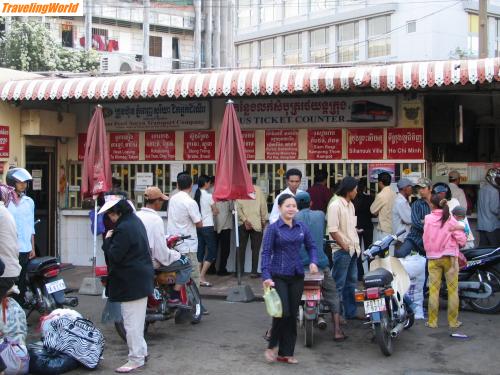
[[216, 297]]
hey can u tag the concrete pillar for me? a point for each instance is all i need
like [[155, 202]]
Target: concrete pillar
[[362, 35], [88, 25], [224, 33], [216, 50], [145, 35], [208, 33], [197, 33]]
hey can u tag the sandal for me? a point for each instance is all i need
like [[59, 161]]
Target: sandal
[[340, 339], [267, 335], [459, 324], [427, 324], [270, 355], [128, 367], [205, 283], [289, 360]]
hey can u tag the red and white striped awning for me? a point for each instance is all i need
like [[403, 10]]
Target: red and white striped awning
[[403, 76]]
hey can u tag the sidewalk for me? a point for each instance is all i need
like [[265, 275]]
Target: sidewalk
[[73, 276]]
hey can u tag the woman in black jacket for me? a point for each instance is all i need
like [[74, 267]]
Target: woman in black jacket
[[130, 274]]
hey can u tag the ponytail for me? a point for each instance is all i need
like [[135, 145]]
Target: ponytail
[[443, 204]]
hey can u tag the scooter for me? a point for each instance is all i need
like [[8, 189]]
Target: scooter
[[45, 288], [311, 309], [384, 288], [158, 306]]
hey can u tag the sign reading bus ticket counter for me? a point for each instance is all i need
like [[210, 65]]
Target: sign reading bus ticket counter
[[324, 144], [159, 145], [405, 143], [199, 145], [4, 141], [282, 144], [124, 146]]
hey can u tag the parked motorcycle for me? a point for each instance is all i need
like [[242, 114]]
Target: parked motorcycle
[[158, 306], [384, 288], [311, 309], [45, 288]]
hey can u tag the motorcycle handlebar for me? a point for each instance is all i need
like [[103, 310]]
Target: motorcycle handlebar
[[382, 245]]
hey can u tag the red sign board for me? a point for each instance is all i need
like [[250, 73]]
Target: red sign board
[[249, 142], [365, 144], [199, 145], [405, 143], [124, 146], [324, 144], [282, 144], [159, 145], [82, 139], [4, 141]]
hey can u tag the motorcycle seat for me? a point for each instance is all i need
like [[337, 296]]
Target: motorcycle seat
[[36, 264], [172, 268], [479, 252], [377, 278]]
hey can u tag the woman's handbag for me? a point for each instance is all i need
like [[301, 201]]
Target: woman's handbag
[[79, 339], [273, 302], [15, 357]]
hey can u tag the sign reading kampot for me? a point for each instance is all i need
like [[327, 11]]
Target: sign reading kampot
[[179, 115], [369, 111]]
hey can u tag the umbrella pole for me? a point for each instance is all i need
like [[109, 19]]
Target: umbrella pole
[[95, 238], [237, 242]]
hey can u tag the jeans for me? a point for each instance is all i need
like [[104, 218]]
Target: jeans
[[23, 261], [255, 242], [134, 315], [224, 239], [207, 237], [345, 274], [489, 238]]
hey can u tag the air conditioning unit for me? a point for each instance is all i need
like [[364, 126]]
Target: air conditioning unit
[[116, 63]]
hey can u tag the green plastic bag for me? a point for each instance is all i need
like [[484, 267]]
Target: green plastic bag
[[273, 302]]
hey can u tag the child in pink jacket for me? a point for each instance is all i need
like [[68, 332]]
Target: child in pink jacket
[[443, 238]]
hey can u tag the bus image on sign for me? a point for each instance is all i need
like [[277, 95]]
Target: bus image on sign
[[366, 111]]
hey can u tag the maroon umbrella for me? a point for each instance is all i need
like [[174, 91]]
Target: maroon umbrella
[[96, 176], [232, 180]]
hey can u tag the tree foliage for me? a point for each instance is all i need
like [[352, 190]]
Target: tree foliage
[[29, 46]]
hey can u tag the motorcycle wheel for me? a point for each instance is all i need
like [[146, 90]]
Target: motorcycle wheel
[[383, 334], [194, 300], [410, 318], [490, 305], [308, 332], [122, 332]]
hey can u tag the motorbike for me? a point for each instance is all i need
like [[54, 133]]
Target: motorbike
[[158, 306], [311, 310], [384, 288], [45, 288]]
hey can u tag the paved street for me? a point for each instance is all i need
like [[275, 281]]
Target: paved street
[[229, 341]]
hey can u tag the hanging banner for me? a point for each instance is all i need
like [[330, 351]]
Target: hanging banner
[[175, 115], [405, 143], [124, 146], [282, 144], [365, 144], [159, 145], [324, 144], [249, 142], [367, 111], [82, 139], [4, 141], [199, 145]]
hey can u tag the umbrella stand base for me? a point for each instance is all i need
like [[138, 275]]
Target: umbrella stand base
[[240, 293], [91, 286]]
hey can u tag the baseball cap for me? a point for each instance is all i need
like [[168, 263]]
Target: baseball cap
[[424, 182], [454, 175], [404, 182], [440, 188], [154, 192], [459, 211], [303, 197]]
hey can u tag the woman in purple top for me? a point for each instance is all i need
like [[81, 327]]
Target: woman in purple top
[[282, 268]]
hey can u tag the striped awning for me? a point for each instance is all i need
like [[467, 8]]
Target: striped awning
[[393, 77]]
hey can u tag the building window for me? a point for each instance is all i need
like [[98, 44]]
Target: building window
[[244, 13], [295, 8], [176, 63], [497, 44], [101, 32], [270, 10], [245, 55], [67, 35], [319, 46], [379, 39], [411, 27], [292, 50], [348, 42], [267, 53], [320, 5], [155, 46], [473, 34]]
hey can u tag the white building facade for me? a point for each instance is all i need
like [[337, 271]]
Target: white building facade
[[290, 32]]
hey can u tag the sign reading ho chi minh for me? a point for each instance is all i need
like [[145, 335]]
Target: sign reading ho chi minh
[[4, 141], [178, 115], [369, 111]]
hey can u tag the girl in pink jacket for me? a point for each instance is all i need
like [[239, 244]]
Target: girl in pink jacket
[[443, 239]]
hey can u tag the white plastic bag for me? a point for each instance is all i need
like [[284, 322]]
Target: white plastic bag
[[273, 302], [415, 266]]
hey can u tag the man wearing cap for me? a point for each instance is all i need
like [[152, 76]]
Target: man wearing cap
[[401, 211], [456, 192], [341, 219], [382, 207], [160, 253]]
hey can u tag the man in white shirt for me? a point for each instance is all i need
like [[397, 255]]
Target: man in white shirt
[[183, 218], [293, 177], [456, 192], [160, 253], [401, 211]]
